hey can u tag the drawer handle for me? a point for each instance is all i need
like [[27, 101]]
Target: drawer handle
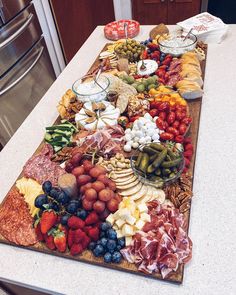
[[24, 74], [18, 32]]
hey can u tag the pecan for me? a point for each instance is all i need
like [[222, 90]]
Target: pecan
[[184, 207]]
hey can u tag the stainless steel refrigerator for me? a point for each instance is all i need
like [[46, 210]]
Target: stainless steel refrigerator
[[26, 71]]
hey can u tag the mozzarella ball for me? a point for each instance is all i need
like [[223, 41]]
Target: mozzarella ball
[[127, 148], [135, 145]]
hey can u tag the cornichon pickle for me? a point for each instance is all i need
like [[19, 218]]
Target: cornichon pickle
[[155, 178], [172, 175], [144, 162], [157, 162], [171, 154], [158, 172], [156, 146], [149, 150], [137, 162], [169, 164], [166, 171], [152, 158]]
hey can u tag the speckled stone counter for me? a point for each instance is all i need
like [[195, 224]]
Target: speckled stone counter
[[213, 222]]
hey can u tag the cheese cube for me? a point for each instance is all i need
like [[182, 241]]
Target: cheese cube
[[128, 241], [124, 213], [110, 219], [145, 217], [115, 227], [127, 230], [130, 219], [119, 233], [143, 208], [120, 222], [139, 224]]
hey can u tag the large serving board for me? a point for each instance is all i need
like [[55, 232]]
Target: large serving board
[[87, 256]]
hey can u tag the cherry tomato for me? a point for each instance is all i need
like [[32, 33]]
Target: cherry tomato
[[166, 136], [182, 128], [188, 147], [188, 154], [154, 104], [166, 61], [160, 73], [132, 119], [170, 118], [180, 107], [164, 67], [179, 138], [172, 130], [129, 125], [161, 124], [187, 140], [153, 112], [162, 115], [187, 162], [164, 106], [176, 124], [187, 120], [179, 115]]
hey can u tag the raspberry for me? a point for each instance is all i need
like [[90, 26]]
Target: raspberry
[[92, 218], [75, 222], [76, 249], [94, 233]]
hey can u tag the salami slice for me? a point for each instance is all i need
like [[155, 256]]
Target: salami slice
[[16, 223]]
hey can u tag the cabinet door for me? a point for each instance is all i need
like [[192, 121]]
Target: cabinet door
[[76, 19], [179, 10], [150, 12]]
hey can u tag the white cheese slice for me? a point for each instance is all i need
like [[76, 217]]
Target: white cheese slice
[[145, 217], [124, 213], [131, 220]]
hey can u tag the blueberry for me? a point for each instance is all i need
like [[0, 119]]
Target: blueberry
[[121, 242], [107, 257], [92, 245], [116, 257], [118, 247], [54, 193], [63, 198], [40, 201], [72, 207], [102, 234], [111, 234], [111, 245], [64, 219], [98, 250], [54, 206], [81, 213], [150, 40], [103, 242], [105, 226], [47, 186]]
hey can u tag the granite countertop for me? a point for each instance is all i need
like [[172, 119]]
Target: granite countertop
[[213, 266]]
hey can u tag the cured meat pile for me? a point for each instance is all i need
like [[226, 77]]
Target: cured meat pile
[[41, 168], [16, 223], [174, 72], [163, 244], [107, 140]]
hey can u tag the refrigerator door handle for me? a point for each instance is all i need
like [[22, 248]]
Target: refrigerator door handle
[[18, 32], [24, 74]]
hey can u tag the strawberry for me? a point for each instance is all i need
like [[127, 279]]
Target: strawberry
[[63, 229], [76, 249], [188, 154], [48, 220], [75, 222], [187, 162], [60, 241], [79, 235], [71, 237], [94, 233], [85, 242], [91, 218], [39, 233], [49, 241]]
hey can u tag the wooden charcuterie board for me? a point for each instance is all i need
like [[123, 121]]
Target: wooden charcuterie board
[[87, 256]]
